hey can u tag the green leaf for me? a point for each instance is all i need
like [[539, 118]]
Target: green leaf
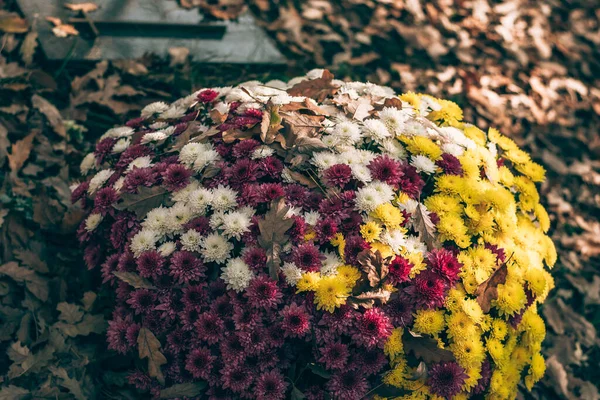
[[189, 389], [297, 394], [319, 370], [149, 347], [143, 201]]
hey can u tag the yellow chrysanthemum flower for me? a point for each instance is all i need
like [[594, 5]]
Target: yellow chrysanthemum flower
[[469, 351], [449, 114], [534, 171], [349, 273], [499, 329], [331, 293], [423, 146], [511, 297], [309, 282], [412, 98], [389, 215], [393, 345], [537, 369], [370, 231], [473, 310], [429, 321], [475, 134]]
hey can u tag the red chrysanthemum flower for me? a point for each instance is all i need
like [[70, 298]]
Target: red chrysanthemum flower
[[296, 321], [255, 258], [399, 269], [444, 263], [140, 380], [307, 257], [176, 177], [207, 95], [411, 182], [270, 191], [386, 169], [326, 229], [271, 167], [209, 327], [445, 379], [131, 153], [194, 296], [263, 292], [271, 386], [450, 164], [373, 327], [138, 177], [80, 192], [338, 175], [105, 198], [334, 355], [199, 363], [427, 290], [371, 361], [103, 148], [295, 195], [116, 335], [400, 310], [244, 148]]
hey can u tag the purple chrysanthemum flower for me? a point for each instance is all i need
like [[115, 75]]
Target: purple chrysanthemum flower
[[446, 378], [386, 170], [334, 355], [349, 384], [236, 377], [176, 177], [450, 164], [338, 175], [105, 198], [142, 301], [185, 266], [194, 296], [307, 257], [199, 363], [263, 292], [296, 320], [116, 335], [271, 386], [150, 263], [373, 327], [255, 258], [209, 327]]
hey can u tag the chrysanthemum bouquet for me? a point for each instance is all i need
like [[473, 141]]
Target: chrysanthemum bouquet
[[318, 239]]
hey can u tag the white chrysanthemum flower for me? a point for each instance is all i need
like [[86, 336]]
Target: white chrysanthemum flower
[[286, 176], [379, 91], [450, 134], [347, 133], [143, 241], [224, 198], [312, 217], [413, 244], [376, 130], [158, 125], [291, 273], [237, 275], [367, 199], [216, 219], [191, 240], [235, 224], [99, 179], [361, 173], [140, 162], [393, 238], [410, 206], [190, 152], [154, 137], [174, 112], [394, 149], [200, 199], [205, 158], [179, 215], [413, 127], [393, 119], [453, 149], [119, 184], [330, 263], [262, 152], [215, 248], [118, 132], [93, 221], [167, 248], [154, 108], [330, 141], [247, 211], [121, 145], [221, 107], [423, 164], [87, 163], [183, 195], [157, 219], [324, 160], [293, 211], [386, 191]]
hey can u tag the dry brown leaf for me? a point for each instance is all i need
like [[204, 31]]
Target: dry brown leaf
[[273, 228], [423, 225], [54, 21], [143, 201], [51, 113], [374, 265], [425, 348], [20, 152], [149, 347], [488, 290], [28, 47], [318, 89], [65, 30], [12, 23], [85, 7]]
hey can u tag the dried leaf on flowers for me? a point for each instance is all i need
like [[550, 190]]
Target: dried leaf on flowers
[[488, 290], [369, 298], [85, 7], [149, 347], [423, 225], [273, 228], [189, 389], [318, 89], [425, 348], [133, 279], [374, 265], [270, 124], [143, 201]]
